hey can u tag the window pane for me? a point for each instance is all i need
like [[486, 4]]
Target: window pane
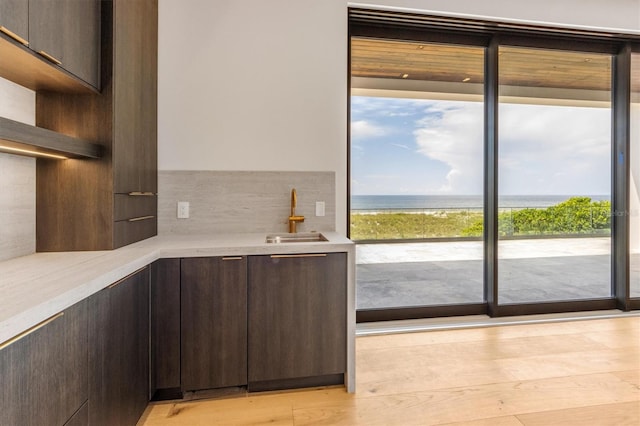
[[416, 168], [554, 175]]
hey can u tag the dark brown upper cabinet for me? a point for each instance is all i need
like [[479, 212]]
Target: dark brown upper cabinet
[[14, 19], [67, 33], [111, 202], [51, 45]]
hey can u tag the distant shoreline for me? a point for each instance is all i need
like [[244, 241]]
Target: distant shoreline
[[412, 203]]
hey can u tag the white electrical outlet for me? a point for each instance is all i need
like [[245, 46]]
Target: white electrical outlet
[[319, 208], [183, 209]]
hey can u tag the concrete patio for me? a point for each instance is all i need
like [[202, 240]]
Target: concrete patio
[[442, 273]]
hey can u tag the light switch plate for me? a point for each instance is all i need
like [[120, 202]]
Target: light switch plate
[[183, 209], [319, 208]]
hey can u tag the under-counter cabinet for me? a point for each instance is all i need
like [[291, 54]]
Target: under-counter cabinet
[[213, 322], [297, 314], [165, 330], [119, 351], [43, 373]]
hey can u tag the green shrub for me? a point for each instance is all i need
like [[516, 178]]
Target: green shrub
[[577, 215]]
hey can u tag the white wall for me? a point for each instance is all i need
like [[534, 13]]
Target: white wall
[[262, 85]]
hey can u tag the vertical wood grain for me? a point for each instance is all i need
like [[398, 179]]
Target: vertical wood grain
[[214, 323]]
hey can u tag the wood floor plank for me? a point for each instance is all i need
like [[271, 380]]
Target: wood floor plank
[[493, 421], [622, 414], [566, 364], [234, 411], [472, 403]]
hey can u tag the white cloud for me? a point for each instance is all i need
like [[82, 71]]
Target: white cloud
[[452, 132], [565, 150], [366, 129], [542, 149]]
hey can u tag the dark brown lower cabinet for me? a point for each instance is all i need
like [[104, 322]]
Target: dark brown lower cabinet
[[43, 376], [165, 330], [297, 320], [213, 322], [119, 351]]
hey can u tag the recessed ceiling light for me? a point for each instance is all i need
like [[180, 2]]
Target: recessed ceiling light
[[421, 47], [466, 79], [405, 75]]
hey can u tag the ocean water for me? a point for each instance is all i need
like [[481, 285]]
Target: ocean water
[[399, 202]]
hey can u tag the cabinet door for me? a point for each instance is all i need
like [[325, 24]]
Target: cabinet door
[[165, 329], [214, 322], [14, 19], [68, 32], [297, 319], [119, 351], [43, 376], [135, 38]]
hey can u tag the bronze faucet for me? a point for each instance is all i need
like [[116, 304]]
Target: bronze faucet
[[293, 218]]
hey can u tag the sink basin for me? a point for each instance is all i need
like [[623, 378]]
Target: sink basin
[[302, 237]]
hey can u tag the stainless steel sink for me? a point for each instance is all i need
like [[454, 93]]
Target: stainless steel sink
[[302, 237]]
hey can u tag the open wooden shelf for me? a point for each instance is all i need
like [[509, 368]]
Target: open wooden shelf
[[14, 134]]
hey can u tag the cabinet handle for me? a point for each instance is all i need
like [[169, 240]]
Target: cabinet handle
[[136, 219], [141, 194], [120, 281], [14, 35], [49, 57], [232, 258], [285, 256], [31, 330]]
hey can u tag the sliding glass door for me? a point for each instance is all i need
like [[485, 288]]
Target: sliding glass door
[[554, 175], [416, 173], [490, 170]]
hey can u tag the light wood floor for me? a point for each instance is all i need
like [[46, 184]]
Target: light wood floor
[[584, 373]]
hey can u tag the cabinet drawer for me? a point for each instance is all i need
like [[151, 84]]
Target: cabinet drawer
[[134, 206], [129, 231]]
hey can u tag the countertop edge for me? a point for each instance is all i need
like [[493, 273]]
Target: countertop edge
[[89, 272]]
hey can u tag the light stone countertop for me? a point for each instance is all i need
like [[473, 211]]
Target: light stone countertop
[[38, 286]]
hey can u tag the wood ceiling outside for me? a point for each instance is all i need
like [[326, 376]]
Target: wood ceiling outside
[[523, 67]]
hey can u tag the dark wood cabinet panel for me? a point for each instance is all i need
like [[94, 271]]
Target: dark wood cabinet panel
[[297, 318], [43, 376], [213, 322], [76, 205], [81, 417], [134, 206], [165, 325], [119, 351], [69, 31], [14, 19], [135, 94]]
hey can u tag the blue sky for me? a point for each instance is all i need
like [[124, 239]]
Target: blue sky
[[415, 146]]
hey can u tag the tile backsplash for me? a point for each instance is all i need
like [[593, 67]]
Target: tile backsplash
[[17, 206], [243, 201]]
